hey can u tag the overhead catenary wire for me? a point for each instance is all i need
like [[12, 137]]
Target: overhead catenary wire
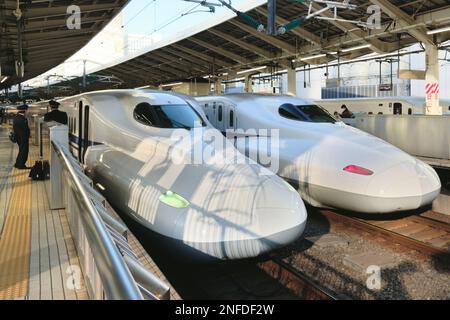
[[155, 30], [138, 13]]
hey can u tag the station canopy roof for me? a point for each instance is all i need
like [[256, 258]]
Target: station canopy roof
[[234, 45], [46, 39]]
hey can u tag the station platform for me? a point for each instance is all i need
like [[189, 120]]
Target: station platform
[[36, 247], [439, 163], [38, 255]]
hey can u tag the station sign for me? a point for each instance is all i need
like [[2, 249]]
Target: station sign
[[385, 87]]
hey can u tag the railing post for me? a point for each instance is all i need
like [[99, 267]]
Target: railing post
[[59, 134]]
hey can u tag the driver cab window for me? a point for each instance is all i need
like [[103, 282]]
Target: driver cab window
[[143, 113], [168, 116], [307, 113]]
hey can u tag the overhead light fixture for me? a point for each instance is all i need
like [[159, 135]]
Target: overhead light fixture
[[144, 87], [172, 84], [313, 57], [4, 79], [357, 48], [440, 30], [251, 70], [333, 52]]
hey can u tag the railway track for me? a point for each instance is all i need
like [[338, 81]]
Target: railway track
[[296, 281], [428, 236]]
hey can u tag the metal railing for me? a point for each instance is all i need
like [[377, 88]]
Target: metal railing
[[111, 269]]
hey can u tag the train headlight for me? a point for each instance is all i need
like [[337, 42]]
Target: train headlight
[[174, 200], [358, 170]]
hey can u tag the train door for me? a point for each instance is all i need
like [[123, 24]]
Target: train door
[[212, 115], [80, 130], [398, 108], [221, 120], [231, 118], [85, 131]]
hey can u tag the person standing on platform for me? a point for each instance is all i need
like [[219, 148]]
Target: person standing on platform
[[2, 115], [55, 114], [22, 133], [346, 114]]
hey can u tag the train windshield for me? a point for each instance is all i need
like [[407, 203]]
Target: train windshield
[[168, 116], [307, 113]]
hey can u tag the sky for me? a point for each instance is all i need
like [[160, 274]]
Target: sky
[[162, 20]]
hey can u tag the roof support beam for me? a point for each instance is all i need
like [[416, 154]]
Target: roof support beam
[[301, 32], [187, 57], [247, 46], [128, 73], [158, 64], [220, 51], [138, 68], [171, 67], [212, 60], [57, 34], [269, 39], [59, 23], [61, 10], [353, 31], [395, 13], [185, 65]]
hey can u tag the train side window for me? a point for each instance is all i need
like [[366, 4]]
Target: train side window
[[397, 108], [220, 114], [231, 119], [143, 114]]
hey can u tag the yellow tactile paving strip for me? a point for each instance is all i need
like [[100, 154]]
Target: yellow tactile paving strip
[[15, 240], [36, 247]]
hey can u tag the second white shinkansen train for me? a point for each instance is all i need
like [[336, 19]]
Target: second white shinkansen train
[[381, 105], [331, 164], [221, 210]]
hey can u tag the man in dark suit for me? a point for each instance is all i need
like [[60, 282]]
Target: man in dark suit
[[346, 114], [55, 114], [22, 132]]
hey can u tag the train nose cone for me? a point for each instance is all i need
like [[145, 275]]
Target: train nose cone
[[406, 186], [258, 215], [281, 214]]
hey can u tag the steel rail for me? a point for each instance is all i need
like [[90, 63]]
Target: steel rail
[[396, 237], [296, 281]]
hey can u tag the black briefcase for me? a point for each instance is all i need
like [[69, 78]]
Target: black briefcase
[[40, 171]]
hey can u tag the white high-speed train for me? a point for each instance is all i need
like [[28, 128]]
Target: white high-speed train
[[220, 210], [331, 164], [382, 105]]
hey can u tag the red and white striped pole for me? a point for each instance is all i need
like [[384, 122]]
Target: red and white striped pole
[[432, 88]]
